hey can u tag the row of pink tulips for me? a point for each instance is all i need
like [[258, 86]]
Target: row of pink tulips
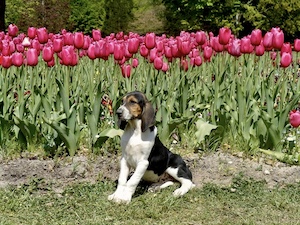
[[192, 48]]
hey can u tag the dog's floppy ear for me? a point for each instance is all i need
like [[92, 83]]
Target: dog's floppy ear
[[148, 117], [122, 124]]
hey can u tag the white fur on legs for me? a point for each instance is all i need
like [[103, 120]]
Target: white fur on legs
[[186, 184]]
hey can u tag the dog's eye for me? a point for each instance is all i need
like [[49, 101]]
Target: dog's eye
[[133, 102]]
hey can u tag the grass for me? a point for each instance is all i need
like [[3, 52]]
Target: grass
[[245, 202]]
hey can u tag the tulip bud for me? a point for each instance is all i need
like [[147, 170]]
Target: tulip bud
[[32, 57], [294, 117], [135, 62]]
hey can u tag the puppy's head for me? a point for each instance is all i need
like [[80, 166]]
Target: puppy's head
[[136, 106]]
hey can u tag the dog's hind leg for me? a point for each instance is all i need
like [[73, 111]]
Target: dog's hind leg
[[157, 187], [180, 175]]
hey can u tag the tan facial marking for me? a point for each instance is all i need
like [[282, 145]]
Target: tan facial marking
[[132, 105]]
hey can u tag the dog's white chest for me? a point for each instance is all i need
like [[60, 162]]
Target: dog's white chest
[[136, 145]]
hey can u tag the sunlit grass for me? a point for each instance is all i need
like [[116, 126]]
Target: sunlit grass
[[244, 202]]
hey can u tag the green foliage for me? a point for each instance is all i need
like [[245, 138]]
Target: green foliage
[[118, 15], [87, 15]]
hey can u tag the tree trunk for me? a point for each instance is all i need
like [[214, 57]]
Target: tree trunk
[[2, 15]]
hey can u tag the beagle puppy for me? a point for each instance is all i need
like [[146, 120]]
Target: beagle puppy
[[143, 151]]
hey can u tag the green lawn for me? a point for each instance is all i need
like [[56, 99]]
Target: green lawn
[[245, 202]]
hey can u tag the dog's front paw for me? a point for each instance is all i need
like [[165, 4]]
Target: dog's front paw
[[119, 197]]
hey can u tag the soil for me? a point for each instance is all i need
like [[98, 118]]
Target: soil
[[218, 168]]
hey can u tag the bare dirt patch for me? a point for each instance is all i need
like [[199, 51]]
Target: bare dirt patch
[[218, 168]]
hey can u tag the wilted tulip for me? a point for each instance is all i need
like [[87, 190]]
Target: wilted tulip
[[13, 30], [256, 37], [286, 59], [224, 35], [150, 40], [32, 57], [17, 59], [42, 35], [294, 117]]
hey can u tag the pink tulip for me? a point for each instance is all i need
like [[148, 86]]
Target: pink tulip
[[286, 59], [168, 52], [135, 62], [5, 48], [184, 45], [294, 117], [234, 47], [51, 63], [31, 32], [144, 51], [119, 51], [20, 48], [68, 38], [42, 35], [6, 61], [17, 59], [297, 45], [96, 34], [224, 35], [150, 40], [26, 42], [256, 37], [215, 44], [78, 40], [67, 55], [278, 38], [158, 63], [273, 55], [13, 30], [47, 53], [165, 67], [246, 46], [133, 45], [57, 45], [126, 70], [286, 47], [91, 52], [184, 64], [259, 50], [268, 40], [207, 53], [86, 42], [198, 61], [32, 57], [200, 37]]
